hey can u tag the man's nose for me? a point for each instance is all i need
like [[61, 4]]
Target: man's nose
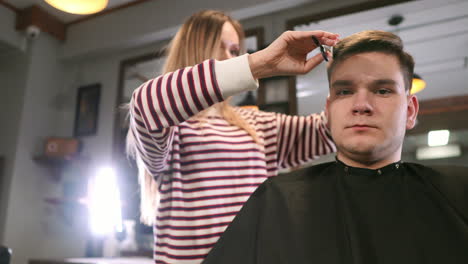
[[362, 103]]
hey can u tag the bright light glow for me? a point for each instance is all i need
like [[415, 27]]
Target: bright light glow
[[417, 85], [104, 203], [439, 152], [438, 138], [80, 7]]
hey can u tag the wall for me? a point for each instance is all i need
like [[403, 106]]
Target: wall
[[13, 63], [104, 70], [30, 225]]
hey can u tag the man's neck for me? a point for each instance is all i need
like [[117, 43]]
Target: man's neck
[[367, 163]]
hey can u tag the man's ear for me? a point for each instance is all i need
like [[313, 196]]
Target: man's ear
[[412, 112]]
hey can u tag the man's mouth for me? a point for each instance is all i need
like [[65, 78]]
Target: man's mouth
[[361, 126]]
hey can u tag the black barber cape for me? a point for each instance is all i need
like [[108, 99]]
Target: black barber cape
[[333, 213]]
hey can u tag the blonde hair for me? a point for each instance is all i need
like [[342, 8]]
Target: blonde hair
[[196, 41]]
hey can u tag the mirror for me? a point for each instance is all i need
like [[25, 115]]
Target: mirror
[[133, 73]]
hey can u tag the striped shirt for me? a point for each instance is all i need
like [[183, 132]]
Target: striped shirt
[[207, 169]]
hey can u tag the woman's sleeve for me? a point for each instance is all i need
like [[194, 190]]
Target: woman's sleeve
[[302, 139], [160, 104]]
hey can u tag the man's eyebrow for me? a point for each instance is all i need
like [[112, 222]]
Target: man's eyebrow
[[339, 83], [385, 81]]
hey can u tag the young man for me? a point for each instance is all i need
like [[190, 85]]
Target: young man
[[368, 206]]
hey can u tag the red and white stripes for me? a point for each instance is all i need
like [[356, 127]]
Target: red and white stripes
[[208, 169]]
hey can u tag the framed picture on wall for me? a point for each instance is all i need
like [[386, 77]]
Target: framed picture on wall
[[87, 106]]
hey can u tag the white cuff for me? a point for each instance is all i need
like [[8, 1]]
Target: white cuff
[[234, 76]]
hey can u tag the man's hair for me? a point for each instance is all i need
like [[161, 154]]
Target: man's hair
[[373, 41]]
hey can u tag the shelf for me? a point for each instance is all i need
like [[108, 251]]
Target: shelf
[[57, 164], [137, 253], [58, 161]]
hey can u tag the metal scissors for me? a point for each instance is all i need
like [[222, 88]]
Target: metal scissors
[[322, 48]]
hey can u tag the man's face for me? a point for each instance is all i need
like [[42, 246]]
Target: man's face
[[369, 109]]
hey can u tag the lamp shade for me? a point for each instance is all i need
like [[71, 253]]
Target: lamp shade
[[418, 84], [80, 7]]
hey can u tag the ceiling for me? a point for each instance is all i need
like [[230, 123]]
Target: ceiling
[[62, 16]]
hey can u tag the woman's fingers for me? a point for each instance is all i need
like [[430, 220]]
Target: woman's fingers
[[288, 54], [329, 42], [300, 36], [321, 35], [312, 63], [305, 39], [317, 33]]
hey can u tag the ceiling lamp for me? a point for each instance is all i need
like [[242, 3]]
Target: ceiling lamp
[[418, 84], [80, 7], [438, 138]]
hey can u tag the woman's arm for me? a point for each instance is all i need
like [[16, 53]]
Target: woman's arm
[[302, 139], [160, 104]]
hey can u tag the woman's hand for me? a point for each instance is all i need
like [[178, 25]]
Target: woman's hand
[[287, 55]]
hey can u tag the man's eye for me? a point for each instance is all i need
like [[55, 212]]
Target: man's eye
[[343, 92], [383, 91]]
